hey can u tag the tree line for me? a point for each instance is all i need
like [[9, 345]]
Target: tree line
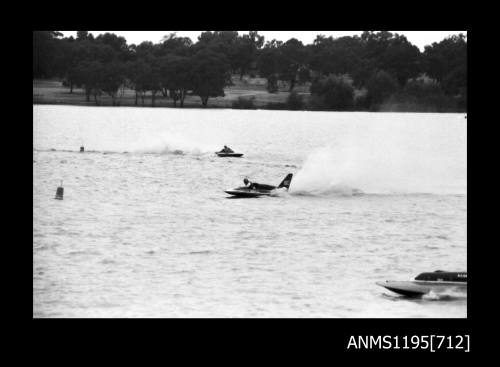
[[373, 71]]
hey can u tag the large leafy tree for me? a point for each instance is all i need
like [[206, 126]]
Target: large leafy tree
[[74, 53], [223, 43], [145, 70], [334, 56], [174, 67], [268, 63], [171, 44], [117, 43], [283, 61], [90, 75], [332, 93], [245, 51], [175, 77], [446, 62], [427, 94], [45, 50], [145, 77], [71, 54], [401, 58], [133, 72], [293, 58], [113, 76], [84, 36], [209, 75], [381, 86], [390, 52]]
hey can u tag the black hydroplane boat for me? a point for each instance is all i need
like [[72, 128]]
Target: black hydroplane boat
[[253, 189]]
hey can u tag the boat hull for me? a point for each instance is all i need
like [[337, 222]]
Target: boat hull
[[235, 155], [246, 193], [419, 288]]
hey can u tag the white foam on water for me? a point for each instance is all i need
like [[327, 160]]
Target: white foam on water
[[172, 143], [446, 295], [387, 159]]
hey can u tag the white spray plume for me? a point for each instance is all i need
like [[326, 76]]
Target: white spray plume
[[384, 163]]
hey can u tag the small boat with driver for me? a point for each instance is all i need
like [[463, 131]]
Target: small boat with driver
[[228, 152]]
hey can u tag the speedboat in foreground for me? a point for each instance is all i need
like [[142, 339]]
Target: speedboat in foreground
[[253, 189], [438, 281]]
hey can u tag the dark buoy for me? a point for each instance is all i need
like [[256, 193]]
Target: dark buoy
[[82, 149], [60, 192]]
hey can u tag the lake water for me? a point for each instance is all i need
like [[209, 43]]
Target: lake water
[[146, 230]]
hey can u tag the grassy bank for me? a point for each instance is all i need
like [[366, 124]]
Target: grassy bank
[[248, 93], [53, 92]]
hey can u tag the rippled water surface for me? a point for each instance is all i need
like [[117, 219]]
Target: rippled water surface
[[146, 230]]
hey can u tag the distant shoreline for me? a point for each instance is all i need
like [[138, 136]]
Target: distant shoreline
[[47, 91], [52, 92]]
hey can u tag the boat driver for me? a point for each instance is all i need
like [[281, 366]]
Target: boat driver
[[249, 184], [227, 150]]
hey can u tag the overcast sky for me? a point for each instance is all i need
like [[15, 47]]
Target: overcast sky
[[418, 38]]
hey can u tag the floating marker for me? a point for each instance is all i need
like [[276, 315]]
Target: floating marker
[[60, 192], [82, 149]]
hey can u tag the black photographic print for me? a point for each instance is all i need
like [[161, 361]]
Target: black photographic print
[[251, 174]]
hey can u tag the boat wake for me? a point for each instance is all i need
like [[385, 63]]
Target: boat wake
[[445, 296], [352, 168], [161, 144], [172, 143], [334, 190], [280, 192], [451, 294]]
